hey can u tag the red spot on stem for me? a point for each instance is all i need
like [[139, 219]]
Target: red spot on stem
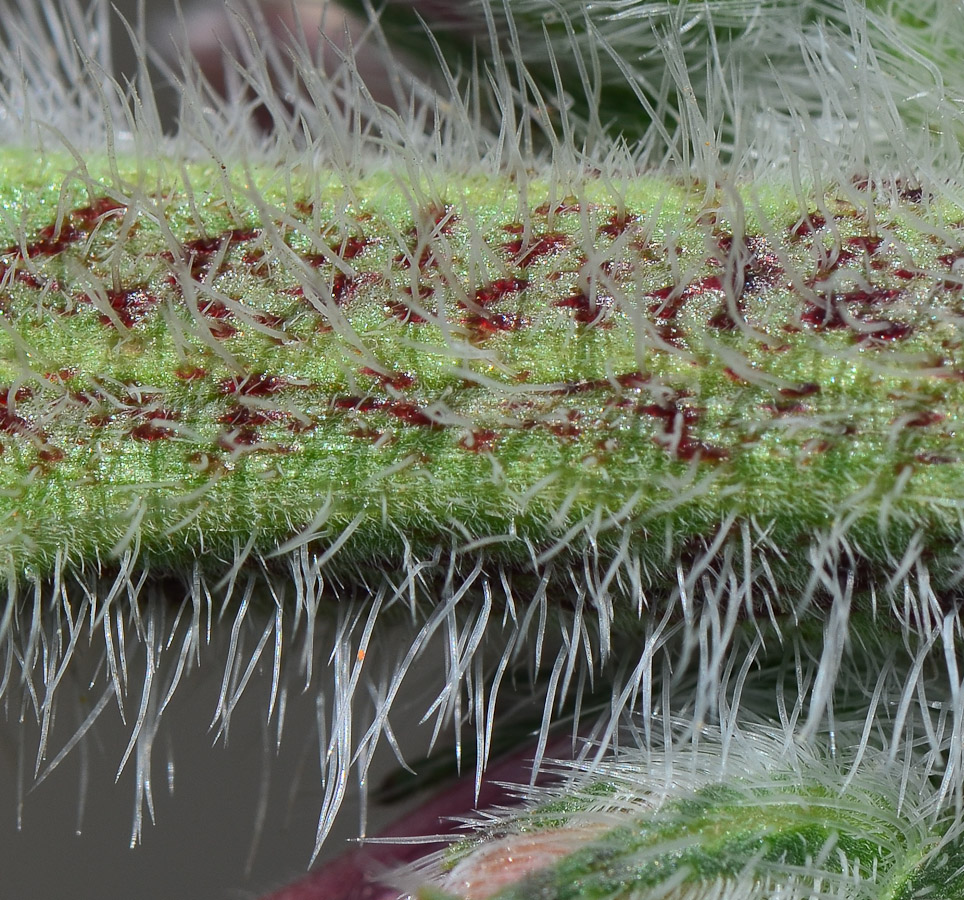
[[499, 290], [480, 440], [526, 253], [586, 310], [807, 389], [154, 429], [810, 223], [410, 414], [131, 306], [257, 385]]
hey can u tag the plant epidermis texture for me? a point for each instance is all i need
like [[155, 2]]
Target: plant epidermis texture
[[305, 362]]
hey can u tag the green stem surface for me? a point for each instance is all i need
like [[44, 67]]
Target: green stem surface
[[193, 362]]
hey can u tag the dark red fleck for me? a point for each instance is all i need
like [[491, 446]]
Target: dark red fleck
[[59, 377], [426, 259], [342, 287], [213, 309], [242, 437], [89, 215], [676, 424], [527, 253], [867, 243], [154, 429], [690, 450], [933, 459], [807, 389], [586, 310], [203, 246], [812, 222], [240, 416], [315, 260], [48, 454], [479, 441], [403, 313], [52, 241], [410, 414], [823, 316], [877, 295], [669, 413], [494, 323], [189, 373], [923, 419], [567, 430], [569, 205], [359, 404], [709, 283], [23, 276], [910, 192], [365, 433], [271, 320], [632, 380], [760, 265], [948, 259], [810, 449], [222, 330], [258, 385], [12, 423], [580, 387], [397, 380], [671, 334], [131, 305], [22, 394], [830, 316], [672, 298], [242, 235], [442, 218], [722, 320], [617, 223], [785, 408], [353, 246], [499, 290]]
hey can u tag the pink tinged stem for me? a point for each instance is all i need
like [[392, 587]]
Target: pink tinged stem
[[360, 874]]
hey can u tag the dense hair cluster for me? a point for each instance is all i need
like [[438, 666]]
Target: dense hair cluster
[[618, 364]]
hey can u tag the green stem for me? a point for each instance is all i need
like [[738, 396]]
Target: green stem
[[193, 363]]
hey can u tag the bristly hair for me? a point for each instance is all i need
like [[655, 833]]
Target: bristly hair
[[736, 225]]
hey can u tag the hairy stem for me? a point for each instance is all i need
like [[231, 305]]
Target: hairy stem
[[382, 368]]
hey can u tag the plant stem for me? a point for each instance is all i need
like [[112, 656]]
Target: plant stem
[[379, 368]]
